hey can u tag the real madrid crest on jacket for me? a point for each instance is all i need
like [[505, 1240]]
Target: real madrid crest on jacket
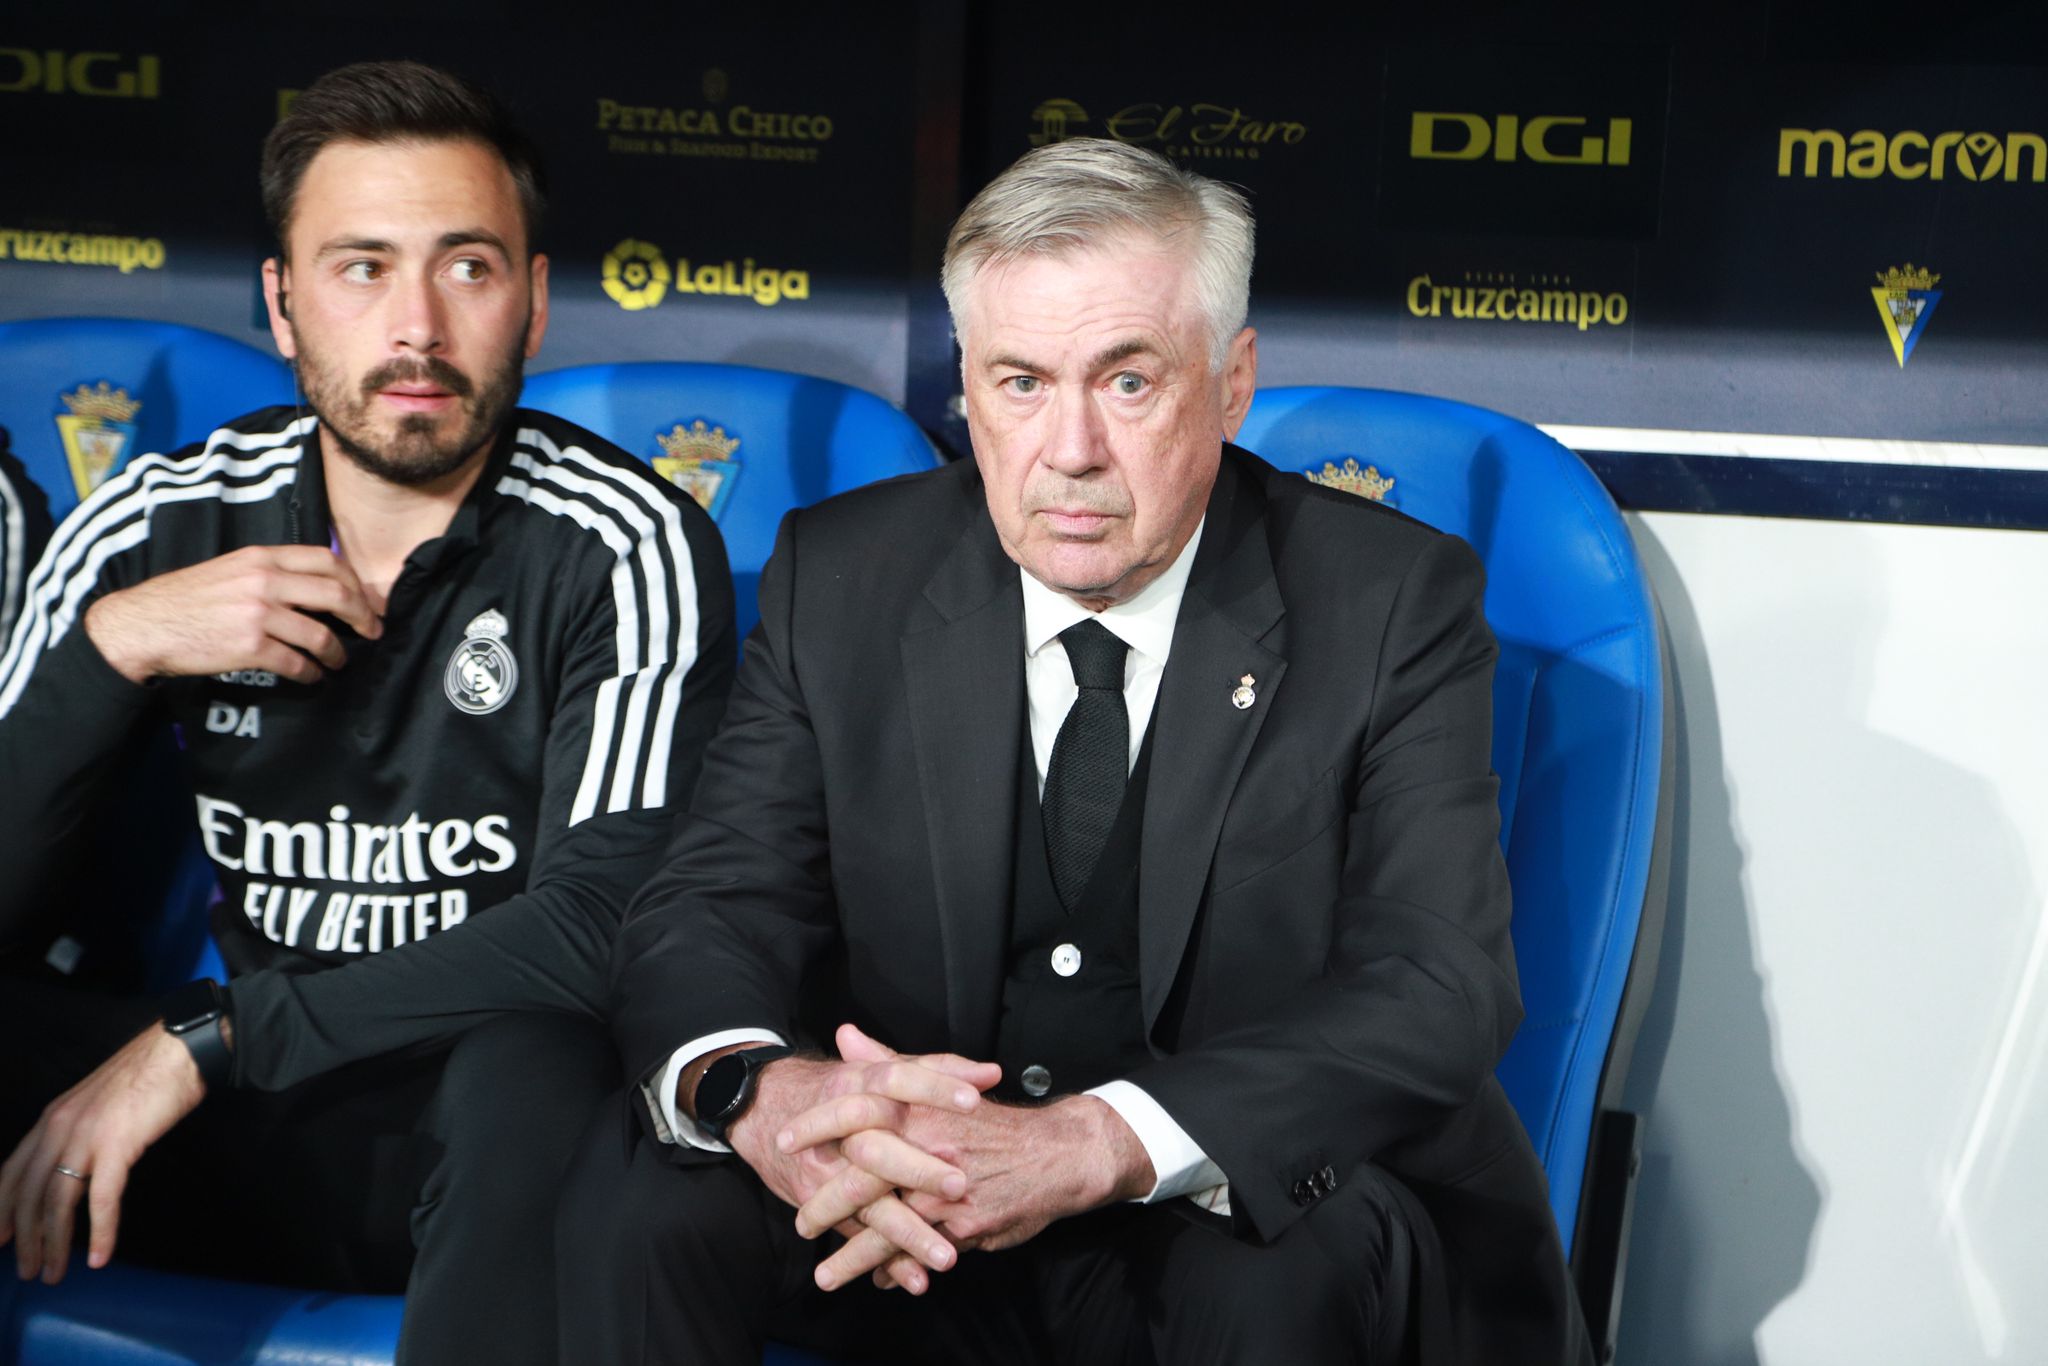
[[504, 760], [482, 673]]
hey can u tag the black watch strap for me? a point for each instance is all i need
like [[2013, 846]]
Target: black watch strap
[[193, 1014], [727, 1087]]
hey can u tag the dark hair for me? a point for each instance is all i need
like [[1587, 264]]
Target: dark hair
[[393, 102]]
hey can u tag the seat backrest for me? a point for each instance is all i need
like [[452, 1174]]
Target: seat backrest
[[1578, 709], [749, 443], [80, 397]]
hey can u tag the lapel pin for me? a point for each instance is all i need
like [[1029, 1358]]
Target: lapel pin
[[1243, 696]]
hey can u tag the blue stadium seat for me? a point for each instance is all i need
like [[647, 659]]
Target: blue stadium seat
[[1583, 745], [749, 443], [124, 1316], [80, 397]]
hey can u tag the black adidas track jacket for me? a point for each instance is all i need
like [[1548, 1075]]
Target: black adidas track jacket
[[449, 826]]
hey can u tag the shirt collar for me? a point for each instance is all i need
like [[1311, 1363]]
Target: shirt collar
[[1144, 622], [306, 510], [314, 523]]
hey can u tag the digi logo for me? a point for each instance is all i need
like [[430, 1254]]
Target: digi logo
[[107, 75], [1550, 139]]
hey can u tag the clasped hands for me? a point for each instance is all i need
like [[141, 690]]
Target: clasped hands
[[906, 1158]]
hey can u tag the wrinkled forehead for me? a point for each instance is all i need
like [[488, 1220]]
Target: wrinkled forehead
[[1143, 271]]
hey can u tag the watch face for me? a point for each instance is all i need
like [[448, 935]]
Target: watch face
[[192, 1005], [720, 1087]]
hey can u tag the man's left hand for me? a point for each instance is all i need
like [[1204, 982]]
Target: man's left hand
[[98, 1129]]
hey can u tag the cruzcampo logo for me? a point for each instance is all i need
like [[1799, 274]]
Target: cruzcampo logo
[[636, 274], [96, 432], [1906, 297], [698, 459]]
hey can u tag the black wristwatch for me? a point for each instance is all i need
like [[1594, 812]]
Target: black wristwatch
[[727, 1087], [193, 1015]]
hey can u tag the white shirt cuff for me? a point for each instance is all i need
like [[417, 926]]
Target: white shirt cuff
[[660, 1094], [1180, 1165]]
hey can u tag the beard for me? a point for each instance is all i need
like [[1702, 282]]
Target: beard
[[422, 448]]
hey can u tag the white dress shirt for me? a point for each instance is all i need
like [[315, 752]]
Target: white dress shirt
[[1144, 623]]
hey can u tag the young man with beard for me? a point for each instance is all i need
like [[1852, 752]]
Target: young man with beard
[[443, 670]]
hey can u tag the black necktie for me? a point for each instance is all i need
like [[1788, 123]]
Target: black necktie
[[1084, 783]]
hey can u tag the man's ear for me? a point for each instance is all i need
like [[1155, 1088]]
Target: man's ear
[[1240, 381], [277, 286], [537, 325]]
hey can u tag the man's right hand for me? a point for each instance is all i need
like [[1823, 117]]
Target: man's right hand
[[84, 1146], [249, 609], [873, 1099]]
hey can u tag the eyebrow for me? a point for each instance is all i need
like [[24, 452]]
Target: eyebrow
[[1101, 360], [342, 244], [1123, 350], [463, 237], [474, 237]]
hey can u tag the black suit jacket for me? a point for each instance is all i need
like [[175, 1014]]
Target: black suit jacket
[[1326, 969]]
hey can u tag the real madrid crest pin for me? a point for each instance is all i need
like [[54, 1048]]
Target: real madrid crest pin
[[1242, 696], [482, 674]]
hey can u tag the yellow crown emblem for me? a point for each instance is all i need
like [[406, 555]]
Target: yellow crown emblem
[[698, 441], [1899, 279], [103, 403], [1366, 483]]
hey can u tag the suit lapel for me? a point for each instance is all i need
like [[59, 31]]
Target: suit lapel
[[1201, 740], [963, 665]]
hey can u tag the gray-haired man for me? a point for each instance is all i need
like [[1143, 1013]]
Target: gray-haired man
[[1117, 810]]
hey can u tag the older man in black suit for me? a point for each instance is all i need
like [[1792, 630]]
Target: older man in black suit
[[1117, 809]]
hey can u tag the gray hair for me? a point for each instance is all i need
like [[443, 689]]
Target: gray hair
[[1072, 195]]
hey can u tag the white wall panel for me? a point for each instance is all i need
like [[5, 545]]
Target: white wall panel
[[1848, 1143]]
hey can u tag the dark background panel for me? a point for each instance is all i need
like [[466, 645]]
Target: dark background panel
[[825, 148], [1513, 140], [1291, 123]]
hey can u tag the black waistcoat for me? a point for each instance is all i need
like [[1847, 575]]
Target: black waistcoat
[[1086, 1027]]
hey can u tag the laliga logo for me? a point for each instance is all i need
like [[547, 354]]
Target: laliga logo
[[1474, 136], [635, 275]]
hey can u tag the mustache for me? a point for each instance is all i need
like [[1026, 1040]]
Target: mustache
[[1076, 496], [417, 370]]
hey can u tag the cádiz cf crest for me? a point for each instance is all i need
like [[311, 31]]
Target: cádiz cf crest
[[482, 674], [699, 460], [96, 432], [1350, 478], [1905, 300]]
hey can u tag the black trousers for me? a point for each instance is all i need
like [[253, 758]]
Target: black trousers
[[434, 1173], [688, 1263]]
